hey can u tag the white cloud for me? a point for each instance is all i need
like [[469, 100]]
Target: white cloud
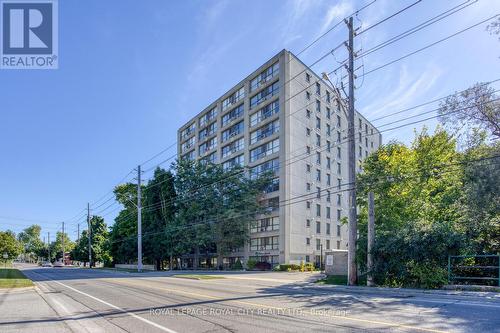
[[335, 13]]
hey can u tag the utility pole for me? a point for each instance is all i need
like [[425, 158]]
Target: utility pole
[[139, 221], [48, 244], [62, 242], [89, 232], [371, 239], [78, 233], [353, 224]]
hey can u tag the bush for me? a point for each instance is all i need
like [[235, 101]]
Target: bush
[[251, 264], [427, 275], [289, 267], [237, 265]]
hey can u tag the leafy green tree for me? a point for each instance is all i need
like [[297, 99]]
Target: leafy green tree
[[416, 189], [99, 243], [30, 239], [56, 247], [216, 206], [10, 245], [159, 217], [123, 233]]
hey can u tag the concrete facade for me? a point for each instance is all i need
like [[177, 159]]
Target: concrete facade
[[285, 117]]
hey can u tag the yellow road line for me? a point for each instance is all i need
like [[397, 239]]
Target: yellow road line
[[135, 283]]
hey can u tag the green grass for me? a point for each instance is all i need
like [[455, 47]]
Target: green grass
[[334, 279], [198, 277], [13, 278]]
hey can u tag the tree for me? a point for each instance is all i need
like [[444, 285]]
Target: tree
[[56, 247], [159, 217], [474, 112], [416, 191], [99, 243], [123, 234], [216, 207], [10, 245], [30, 239], [494, 27]]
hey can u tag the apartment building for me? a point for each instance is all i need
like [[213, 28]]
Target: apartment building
[[283, 117]]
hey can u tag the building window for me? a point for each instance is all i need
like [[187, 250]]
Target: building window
[[339, 168], [339, 199], [308, 95], [318, 140], [266, 112], [338, 245], [328, 228], [328, 146], [318, 123], [266, 224], [318, 175], [328, 196], [308, 131], [339, 153], [233, 98], [366, 128], [264, 150], [339, 183], [188, 131], [318, 106], [265, 76], [328, 179], [271, 165], [360, 124], [366, 142], [308, 150], [265, 131], [318, 192], [318, 210], [318, 157], [328, 96], [308, 258], [207, 131], [308, 241], [328, 212], [318, 89], [328, 244], [264, 243], [328, 113], [338, 231], [308, 113], [233, 147], [318, 227], [339, 137], [359, 136], [339, 122], [318, 244], [308, 77], [328, 163], [232, 131], [308, 187], [308, 168], [210, 158], [265, 94], [234, 162], [232, 115], [209, 145], [207, 117], [339, 214], [273, 186], [328, 130], [308, 204], [308, 223]]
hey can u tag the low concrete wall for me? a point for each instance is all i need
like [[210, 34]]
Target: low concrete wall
[[336, 262], [144, 267]]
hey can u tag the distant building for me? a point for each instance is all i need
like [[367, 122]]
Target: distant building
[[284, 117]]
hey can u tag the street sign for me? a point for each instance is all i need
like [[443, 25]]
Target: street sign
[[329, 260], [5, 255]]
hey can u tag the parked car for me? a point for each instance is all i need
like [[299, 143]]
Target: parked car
[[58, 264], [46, 264]]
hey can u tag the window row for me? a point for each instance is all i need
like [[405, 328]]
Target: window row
[[265, 76], [264, 243], [266, 224]]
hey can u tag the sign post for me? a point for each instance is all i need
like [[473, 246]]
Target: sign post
[[5, 257]]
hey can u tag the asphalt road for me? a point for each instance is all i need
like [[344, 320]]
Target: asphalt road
[[79, 300]]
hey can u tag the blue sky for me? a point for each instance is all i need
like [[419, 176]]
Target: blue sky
[[131, 72]]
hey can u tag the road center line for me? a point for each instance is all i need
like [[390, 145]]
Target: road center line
[[163, 328]]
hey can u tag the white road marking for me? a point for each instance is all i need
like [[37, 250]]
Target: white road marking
[[163, 328]]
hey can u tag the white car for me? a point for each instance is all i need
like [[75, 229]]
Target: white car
[[46, 264], [58, 264]]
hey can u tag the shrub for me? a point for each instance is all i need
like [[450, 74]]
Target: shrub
[[237, 265], [427, 275], [251, 264]]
